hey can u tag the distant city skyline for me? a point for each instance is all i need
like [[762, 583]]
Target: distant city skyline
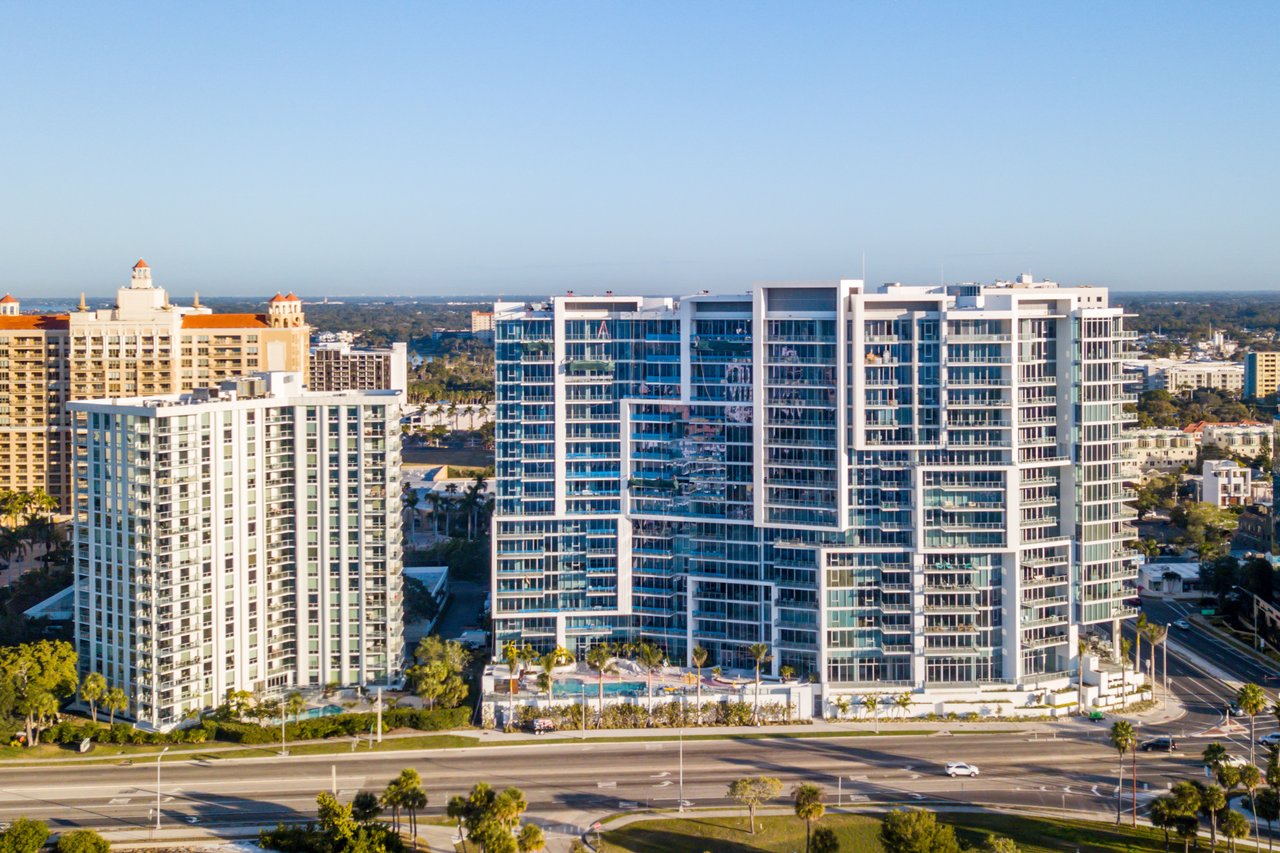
[[446, 149]]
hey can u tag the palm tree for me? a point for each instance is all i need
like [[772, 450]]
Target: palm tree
[[808, 803], [760, 654], [1213, 755], [459, 808], [699, 656], [1186, 803], [413, 799], [1125, 648], [511, 656], [115, 700], [365, 807], [393, 798], [903, 703], [599, 659], [1082, 647], [294, 704], [650, 657], [1252, 701], [1163, 816], [1139, 631], [1267, 807], [1159, 634], [1212, 801], [871, 702], [1250, 779], [92, 689], [1123, 739], [1234, 826], [547, 678]]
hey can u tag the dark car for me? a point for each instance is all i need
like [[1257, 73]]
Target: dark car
[[1160, 744]]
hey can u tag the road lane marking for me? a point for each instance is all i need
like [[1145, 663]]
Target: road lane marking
[[606, 784]]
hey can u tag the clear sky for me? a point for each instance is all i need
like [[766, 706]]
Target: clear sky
[[535, 147]]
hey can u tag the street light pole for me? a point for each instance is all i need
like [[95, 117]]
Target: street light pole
[[158, 757], [681, 770]]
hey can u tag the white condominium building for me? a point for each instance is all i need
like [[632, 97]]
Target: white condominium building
[[907, 486], [240, 538]]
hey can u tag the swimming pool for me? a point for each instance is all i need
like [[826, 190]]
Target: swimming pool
[[569, 686]]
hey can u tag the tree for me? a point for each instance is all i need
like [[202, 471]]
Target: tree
[[760, 654], [871, 702], [824, 841], [365, 807], [547, 678], [24, 835], [31, 671], [1123, 740], [600, 660], [903, 702], [1234, 826], [1214, 755], [699, 656], [1252, 701], [1267, 807], [751, 791], [82, 841], [116, 701], [916, 831], [1164, 816], [999, 844], [650, 657], [1125, 648], [93, 688], [1250, 779], [1212, 801], [809, 807], [458, 809], [530, 839], [294, 704], [1188, 828]]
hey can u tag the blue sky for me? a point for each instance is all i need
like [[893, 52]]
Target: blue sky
[[536, 147]]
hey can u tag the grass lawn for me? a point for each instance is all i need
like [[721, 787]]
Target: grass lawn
[[858, 834]]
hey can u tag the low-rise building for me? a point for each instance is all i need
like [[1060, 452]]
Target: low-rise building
[[1170, 578], [1161, 448], [1226, 483], [1239, 438]]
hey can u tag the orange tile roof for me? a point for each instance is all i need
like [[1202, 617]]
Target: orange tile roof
[[225, 321], [141, 264], [8, 299], [34, 322]]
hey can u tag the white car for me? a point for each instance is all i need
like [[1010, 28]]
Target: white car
[[1270, 739], [960, 768], [1234, 761]]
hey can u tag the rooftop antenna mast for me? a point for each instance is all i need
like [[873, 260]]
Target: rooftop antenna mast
[[864, 266]]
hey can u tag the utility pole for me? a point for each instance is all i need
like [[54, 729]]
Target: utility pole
[[284, 745], [379, 708], [584, 711]]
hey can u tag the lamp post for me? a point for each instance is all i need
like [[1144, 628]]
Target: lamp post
[[158, 757], [681, 810], [284, 745]]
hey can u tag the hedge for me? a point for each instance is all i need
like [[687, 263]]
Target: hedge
[[318, 728]]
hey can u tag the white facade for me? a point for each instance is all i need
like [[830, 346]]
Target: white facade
[[911, 486], [247, 538], [1246, 438], [1185, 377], [1166, 449], [1226, 483]]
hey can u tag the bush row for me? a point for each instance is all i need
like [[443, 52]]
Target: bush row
[[338, 725], [665, 715], [341, 725]]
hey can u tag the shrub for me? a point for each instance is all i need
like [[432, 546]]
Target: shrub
[[24, 836], [82, 841]]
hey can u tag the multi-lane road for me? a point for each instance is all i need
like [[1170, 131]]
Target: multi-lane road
[[574, 783], [578, 781]]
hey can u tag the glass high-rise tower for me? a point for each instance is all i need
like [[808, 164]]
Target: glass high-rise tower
[[907, 486]]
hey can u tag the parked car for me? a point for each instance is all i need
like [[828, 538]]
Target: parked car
[[960, 768], [1269, 739], [1160, 744], [1182, 625]]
